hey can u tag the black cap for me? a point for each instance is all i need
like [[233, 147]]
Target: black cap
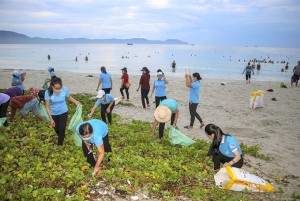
[[124, 69]]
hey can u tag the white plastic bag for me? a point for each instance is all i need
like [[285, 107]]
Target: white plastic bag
[[257, 99], [118, 99], [236, 179]]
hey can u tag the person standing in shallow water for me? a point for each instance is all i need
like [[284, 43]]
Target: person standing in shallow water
[[224, 148], [56, 107], [194, 85], [145, 86], [248, 70]]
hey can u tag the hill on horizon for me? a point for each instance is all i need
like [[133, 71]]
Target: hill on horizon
[[10, 37]]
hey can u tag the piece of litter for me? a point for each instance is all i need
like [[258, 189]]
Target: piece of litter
[[145, 196], [103, 192], [134, 198], [93, 192]]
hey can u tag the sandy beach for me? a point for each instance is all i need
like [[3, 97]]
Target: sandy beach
[[275, 127]]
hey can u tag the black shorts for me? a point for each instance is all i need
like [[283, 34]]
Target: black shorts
[[248, 76], [295, 77]]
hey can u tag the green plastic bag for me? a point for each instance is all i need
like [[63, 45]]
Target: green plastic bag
[[76, 119], [178, 138], [2, 120], [45, 85], [43, 112]]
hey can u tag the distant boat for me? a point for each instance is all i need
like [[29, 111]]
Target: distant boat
[[129, 44]]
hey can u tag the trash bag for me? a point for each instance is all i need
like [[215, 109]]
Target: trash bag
[[237, 179], [43, 112], [2, 120], [178, 138], [118, 99], [45, 85], [75, 120], [257, 99]]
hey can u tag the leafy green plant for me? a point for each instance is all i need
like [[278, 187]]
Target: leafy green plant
[[33, 167]]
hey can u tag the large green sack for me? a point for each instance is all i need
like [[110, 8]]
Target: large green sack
[[178, 138], [76, 119], [43, 112], [45, 85], [2, 120]]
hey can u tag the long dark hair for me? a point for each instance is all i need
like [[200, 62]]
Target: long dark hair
[[41, 96], [85, 128], [54, 81], [103, 70], [213, 129]]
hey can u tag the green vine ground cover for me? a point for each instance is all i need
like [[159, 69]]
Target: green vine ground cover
[[33, 167]]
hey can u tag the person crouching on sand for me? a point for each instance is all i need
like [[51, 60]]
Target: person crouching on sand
[[167, 109], [107, 103], [224, 148], [92, 132]]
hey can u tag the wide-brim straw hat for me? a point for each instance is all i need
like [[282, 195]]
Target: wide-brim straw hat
[[162, 114]]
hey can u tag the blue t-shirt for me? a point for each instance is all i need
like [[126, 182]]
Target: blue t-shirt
[[17, 80], [105, 78], [52, 73], [229, 145], [100, 130], [171, 104], [194, 92], [58, 103], [109, 98], [160, 88]]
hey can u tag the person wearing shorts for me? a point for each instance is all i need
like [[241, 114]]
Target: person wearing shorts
[[25, 104], [248, 70]]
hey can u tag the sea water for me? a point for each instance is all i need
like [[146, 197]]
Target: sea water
[[210, 61]]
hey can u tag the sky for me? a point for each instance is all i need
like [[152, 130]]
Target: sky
[[264, 23]]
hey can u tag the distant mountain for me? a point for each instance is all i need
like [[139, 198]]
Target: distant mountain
[[9, 37]]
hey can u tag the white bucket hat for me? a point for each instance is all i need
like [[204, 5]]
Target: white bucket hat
[[162, 114], [16, 73], [100, 94]]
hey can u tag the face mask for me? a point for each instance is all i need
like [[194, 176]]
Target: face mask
[[56, 91]]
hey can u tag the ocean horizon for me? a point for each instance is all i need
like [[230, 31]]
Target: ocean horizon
[[225, 62]]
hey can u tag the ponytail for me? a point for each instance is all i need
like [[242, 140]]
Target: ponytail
[[103, 70]]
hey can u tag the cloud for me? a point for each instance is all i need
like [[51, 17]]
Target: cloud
[[156, 19]]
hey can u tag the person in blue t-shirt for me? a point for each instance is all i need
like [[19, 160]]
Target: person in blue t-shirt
[[105, 79], [160, 88], [167, 109], [224, 148], [52, 73], [107, 103], [18, 79], [56, 106], [92, 132], [194, 85]]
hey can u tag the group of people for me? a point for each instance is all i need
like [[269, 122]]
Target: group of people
[[224, 149]]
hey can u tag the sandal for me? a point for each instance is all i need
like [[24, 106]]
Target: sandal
[[202, 124], [187, 127]]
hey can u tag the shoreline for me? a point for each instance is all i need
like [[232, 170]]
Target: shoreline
[[274, 127]]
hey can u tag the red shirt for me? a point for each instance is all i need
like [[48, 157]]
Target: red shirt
[[144, 81], [18, 102], [125, 77]]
